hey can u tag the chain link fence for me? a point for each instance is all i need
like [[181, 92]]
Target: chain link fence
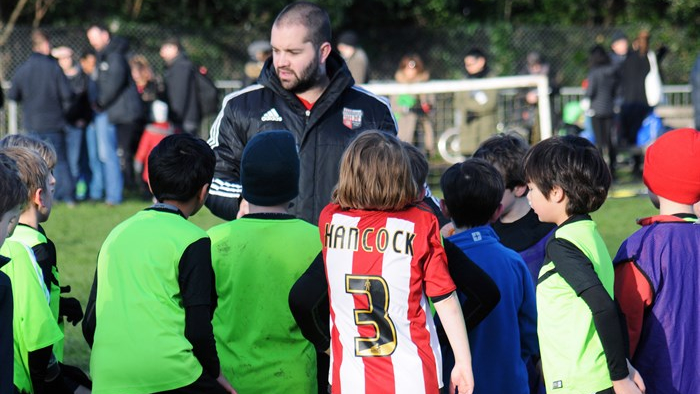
[[224, 53], [224, 50]]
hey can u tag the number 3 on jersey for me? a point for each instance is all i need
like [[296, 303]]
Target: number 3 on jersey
[[375, 288]]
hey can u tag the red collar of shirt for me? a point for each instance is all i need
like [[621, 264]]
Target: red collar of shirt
[[664, 219], [307, 104]]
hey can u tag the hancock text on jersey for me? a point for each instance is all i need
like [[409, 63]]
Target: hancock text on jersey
[[370, 239]]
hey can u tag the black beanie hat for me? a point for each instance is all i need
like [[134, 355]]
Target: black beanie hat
[[270, 168]]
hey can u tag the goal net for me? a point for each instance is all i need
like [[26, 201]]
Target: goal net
[[448, 118]]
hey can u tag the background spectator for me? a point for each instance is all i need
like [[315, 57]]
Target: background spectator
[[355, 57], [149, 85], [42, 88], [411, 109], [258, 51], [536, 65], [180, 87], [635, 106], [695, 85], [78, 116], [602, 84], [119, 108], [478, 107]]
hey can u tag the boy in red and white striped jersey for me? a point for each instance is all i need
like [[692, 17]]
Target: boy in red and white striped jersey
[[383, 258]]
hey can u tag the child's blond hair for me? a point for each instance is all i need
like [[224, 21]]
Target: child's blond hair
[[375, 174], [44, 149], [32, 169]]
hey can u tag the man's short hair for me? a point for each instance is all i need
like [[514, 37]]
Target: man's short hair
[[179, 166], [13, 192], [173, 41], [476, 53], [574, 164], [32, 169], [39, 37], [472, 191], [309, 15], [506, 152], [100, 27], [43, 148]]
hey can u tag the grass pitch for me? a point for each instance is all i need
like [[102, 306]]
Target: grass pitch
[[79, 232]]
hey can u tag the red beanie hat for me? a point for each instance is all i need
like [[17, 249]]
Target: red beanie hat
[[672, 166]]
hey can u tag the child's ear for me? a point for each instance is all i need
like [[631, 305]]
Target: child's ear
[[38, 198], [444, 210], [202, 194], [520, 191], [557, 194]]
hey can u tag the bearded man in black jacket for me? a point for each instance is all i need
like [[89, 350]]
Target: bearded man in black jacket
[[306, 88]]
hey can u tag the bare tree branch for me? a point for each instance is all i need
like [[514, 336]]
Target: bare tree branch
[[10, 26], [41, 7]]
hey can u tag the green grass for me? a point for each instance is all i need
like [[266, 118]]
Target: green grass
[[79, 232]]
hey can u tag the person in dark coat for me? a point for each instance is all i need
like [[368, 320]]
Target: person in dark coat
[[78, 116], [636, 107], [118, 105], [180, 87], [42, 88], [602, 85]]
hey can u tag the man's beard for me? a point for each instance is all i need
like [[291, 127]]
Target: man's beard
[[307, 79]]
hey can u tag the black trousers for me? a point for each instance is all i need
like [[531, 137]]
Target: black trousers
[[603, 130]]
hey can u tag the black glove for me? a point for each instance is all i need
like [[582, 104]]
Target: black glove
[[74, 377], [71, 309]]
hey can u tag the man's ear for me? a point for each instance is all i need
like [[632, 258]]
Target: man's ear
[[324, 51], [520, 191], [444, 210]]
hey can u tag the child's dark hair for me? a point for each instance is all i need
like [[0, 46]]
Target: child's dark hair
[[472, 191], [506, 153], [575, 165], [87, 52], [13, 192], [179, 166], [419, 164]]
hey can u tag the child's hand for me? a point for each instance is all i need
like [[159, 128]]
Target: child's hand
[[447, 230], [225, 384], [462, 379], [627, 386], [636, 377]]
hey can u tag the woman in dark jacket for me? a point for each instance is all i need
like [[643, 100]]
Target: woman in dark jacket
[[602, 83]]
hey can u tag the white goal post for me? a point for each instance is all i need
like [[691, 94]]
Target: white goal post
[[451, 86]]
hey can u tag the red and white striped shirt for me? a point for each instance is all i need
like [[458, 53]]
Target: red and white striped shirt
[[380, 267]]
